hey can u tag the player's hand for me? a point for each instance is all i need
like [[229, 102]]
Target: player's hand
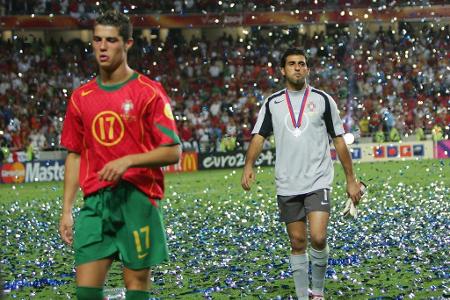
[[354, 191], [66, 228], [114, 170], [248, 176]]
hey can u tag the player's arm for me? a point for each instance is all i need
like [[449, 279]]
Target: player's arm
[[158, 157], [353, 190], [253, 152], [71, 186]]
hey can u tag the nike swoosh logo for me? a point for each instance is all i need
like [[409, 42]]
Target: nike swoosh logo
[[141, 256], [276, 102], [85, 93]]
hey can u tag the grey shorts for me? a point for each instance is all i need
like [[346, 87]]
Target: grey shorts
[[297, 207]]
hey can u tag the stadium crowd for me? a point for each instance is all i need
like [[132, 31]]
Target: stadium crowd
[[383, 81], [89, 8]]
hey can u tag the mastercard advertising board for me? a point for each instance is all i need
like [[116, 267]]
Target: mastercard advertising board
[[13, 173], [52, 170]]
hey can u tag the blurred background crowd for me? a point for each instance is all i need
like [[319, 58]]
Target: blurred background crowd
[[89, 8], [388, 83]]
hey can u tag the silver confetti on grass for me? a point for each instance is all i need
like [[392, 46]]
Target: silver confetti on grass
[[227, 242]]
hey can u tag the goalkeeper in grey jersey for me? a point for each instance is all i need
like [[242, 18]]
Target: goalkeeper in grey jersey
[[302, 120]]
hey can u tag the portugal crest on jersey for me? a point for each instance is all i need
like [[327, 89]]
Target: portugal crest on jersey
[[127, 108], [311, 106]]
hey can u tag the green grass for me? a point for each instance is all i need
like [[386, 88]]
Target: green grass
[[227, 243]]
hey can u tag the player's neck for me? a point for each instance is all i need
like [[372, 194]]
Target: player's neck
[[119, 75], [296, 87]]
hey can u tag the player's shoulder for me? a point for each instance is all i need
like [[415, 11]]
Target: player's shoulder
[[276, 95], [145, 81], [152, 89], [320, 93], [85, 89]]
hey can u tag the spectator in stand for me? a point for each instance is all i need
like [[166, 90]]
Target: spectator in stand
[[37, 140], [382, 73], [187, 138]]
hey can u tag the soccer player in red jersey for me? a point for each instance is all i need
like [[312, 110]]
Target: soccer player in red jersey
[[119, 131]]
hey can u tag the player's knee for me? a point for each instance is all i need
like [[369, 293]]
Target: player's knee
[[89, 293], [319, 242], [137, 280], [137, 283], [298, 244]]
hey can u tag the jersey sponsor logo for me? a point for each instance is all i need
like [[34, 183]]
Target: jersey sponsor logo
[[107, 128], [168, 111], [85, 93], [127, 108]]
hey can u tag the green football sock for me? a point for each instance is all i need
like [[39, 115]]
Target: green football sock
[[136, 295], [89, 293]]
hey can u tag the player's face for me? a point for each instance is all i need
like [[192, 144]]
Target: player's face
[[295, 71], [109, 47]]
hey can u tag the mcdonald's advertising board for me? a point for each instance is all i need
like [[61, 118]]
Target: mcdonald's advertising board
[[187, 163]]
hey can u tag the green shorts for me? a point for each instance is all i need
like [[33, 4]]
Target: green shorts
[[121, 222]]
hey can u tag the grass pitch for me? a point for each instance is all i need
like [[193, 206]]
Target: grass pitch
[[226, 243]]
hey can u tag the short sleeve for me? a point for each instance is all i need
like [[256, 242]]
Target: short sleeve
[[332, 118], [164, 130], [73, 131], [263, 125]]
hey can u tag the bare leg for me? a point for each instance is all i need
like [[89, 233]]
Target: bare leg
[[137, 279], [93, 274], [297, 236], [318, 223]]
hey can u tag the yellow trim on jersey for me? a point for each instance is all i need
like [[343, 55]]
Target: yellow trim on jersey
[[145, 106], [75, 105]]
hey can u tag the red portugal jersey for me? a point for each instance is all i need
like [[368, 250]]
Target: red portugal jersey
[[104, 123]]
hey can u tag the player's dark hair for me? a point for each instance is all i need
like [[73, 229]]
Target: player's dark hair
[[116, 19], [293, 51]]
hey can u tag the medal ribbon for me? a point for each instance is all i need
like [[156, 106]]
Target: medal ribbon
[[297, 123]]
